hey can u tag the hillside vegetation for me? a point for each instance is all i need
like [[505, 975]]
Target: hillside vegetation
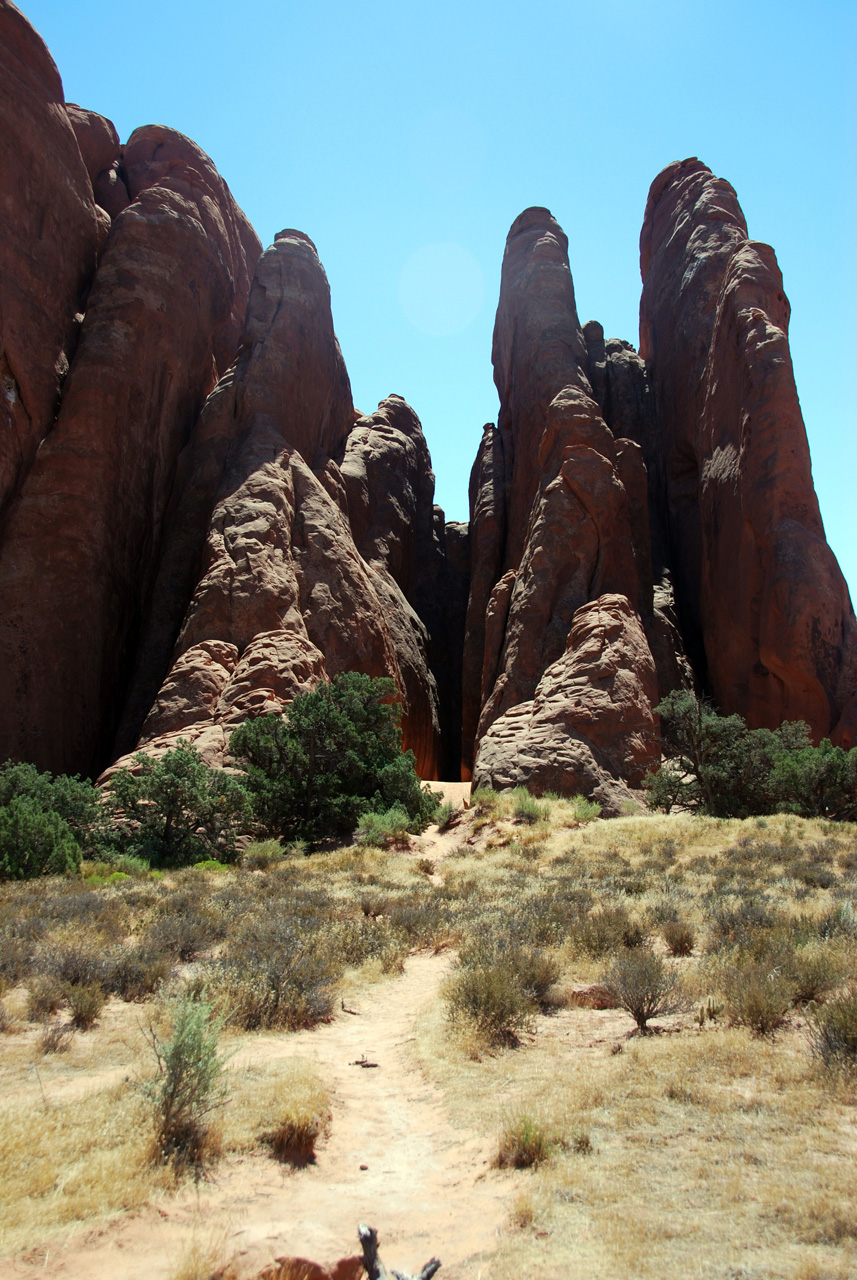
[[721, 1130]]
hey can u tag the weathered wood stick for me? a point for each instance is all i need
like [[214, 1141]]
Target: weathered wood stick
[[375, 1268]]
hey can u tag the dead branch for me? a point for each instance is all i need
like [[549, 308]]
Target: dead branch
[[375, 1268]]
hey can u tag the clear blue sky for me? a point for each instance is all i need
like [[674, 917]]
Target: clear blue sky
[[404, 139]]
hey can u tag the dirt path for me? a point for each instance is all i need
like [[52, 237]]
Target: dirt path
[[426, 1187]]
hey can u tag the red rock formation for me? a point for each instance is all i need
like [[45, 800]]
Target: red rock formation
[[764, 608], [80, 542], [590, 728], [281, 595], [102, 155], [558, 505], [47, 248]]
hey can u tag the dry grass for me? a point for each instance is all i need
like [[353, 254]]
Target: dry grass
[[699, 1152], [284, 1105], [72, 1160]]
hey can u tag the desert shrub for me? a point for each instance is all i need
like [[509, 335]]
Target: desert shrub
[[679, 936], [606, 929], [757, 996], [45, 994], [489, 1000], [814, 971], [78, 961], [526, 808], [176, 811], [85, 1002], [548, 914], [813, 875], [35, 841], [262, 854], [643, 985], [334, 754], [135, 972], [444, 815], [353, 942], [498, 986], [189, 1083], [741, 926], [274, 973], [524, 1142], [184, 928], [382, 829], [18, 938], [422, 919], [56, 1037], [833, 1031]]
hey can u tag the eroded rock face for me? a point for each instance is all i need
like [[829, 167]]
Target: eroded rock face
[[297, 534], [80, 542], [762, 603], [196, 525], [590, 728], [48, 245], [559, 511]]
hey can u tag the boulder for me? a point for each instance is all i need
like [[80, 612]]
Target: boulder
[[590, 728]]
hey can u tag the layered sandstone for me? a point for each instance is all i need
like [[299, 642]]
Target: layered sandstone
[[763, 605], [590, 729], [48, 248], [559, 511], [296, 535], [82, 531], [196, 524]]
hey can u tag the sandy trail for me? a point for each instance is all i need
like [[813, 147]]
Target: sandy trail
[[428, 1188]]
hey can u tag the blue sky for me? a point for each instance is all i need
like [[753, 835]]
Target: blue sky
[[405, 138]]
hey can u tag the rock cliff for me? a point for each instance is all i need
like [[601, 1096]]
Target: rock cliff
[[764, 608], [196, 523]]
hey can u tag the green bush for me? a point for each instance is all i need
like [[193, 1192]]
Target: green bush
[[524, 1142], [176, 811], [584, 810], [333, 755], [718, 766], [35, 841], [77, 802], [444, 815], [818, 781], [262, 854], [189, 1083], [383, 829], [526, 807]]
